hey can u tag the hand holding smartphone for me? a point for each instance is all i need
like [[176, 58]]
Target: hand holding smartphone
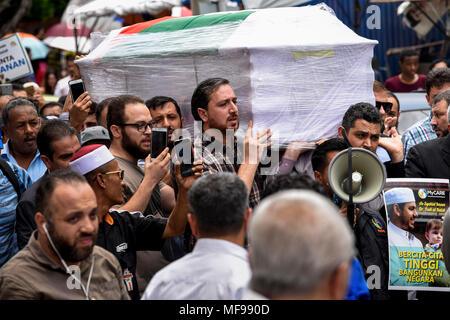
[[159, 141], [186, 163], [76, 88]]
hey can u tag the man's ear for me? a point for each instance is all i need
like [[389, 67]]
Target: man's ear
[[428, 99], [46, 160], [247, 217], [396, 209], [100, 180], [182, 122], [318, 176], [338, 282], [203, 114], [40, 219], [340, 129], [194, 225], [116, 131]]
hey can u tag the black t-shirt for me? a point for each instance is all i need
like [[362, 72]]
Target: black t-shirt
[[123, 233]]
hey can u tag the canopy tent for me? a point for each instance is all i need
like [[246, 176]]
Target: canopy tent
[[100, 8], [295, 70], [260, 4]]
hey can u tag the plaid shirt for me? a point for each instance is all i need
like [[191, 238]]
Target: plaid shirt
[[420, 132], [226, 160]]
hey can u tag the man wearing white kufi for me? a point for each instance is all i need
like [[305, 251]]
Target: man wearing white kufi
[[401, 207]]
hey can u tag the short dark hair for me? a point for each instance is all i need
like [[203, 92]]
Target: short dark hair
[[70, 57], [362, 110], [392, 95], [390, 208], [49, 105], [13, 103], [52, 130], [116, 110], [437, 78], [219, 202], [432, 223], [160, 101], [293, 180], [408, 53], [102, 105], [48, 185], [200, 97], [436, 61], [378, 86], [319, 157]]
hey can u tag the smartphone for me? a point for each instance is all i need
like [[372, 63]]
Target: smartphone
[[6, 89], [186, 162], [159, 141], [76, 88]]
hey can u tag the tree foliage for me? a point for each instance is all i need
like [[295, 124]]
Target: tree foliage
[[14, 11]]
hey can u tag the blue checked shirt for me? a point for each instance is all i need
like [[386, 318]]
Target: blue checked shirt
[[8, 204], [226, 160], [420, 132]]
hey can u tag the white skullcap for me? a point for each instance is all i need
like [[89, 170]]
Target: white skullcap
[[399, 195]]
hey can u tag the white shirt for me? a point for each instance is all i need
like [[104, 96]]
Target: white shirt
[[401, 238], [62, 87], [214, 270]]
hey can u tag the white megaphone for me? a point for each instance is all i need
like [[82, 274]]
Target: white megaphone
[[362, 183]]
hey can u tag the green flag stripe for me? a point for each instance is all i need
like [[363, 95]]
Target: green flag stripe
[[196, 21]]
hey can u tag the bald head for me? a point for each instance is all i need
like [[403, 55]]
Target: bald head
[[298, 241]]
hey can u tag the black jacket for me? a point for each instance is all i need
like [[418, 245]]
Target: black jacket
[[123, 233], [25, 211], [430, 159]]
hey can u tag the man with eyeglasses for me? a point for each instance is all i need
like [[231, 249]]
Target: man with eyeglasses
[[430, 159], [21, 125], [122, 232], [438, 80], [129, 125]]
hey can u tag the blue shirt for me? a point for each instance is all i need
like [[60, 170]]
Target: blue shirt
[[419, 132], [37, 167], [357, 289], [8, 200]]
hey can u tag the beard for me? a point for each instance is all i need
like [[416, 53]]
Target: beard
[[68, 252], [132, 148]]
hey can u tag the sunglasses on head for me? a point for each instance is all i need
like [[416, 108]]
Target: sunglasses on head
[[387, 106]]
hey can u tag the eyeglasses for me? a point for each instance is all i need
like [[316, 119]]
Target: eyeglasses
[[140, 126], [120, 172], [387, 106]]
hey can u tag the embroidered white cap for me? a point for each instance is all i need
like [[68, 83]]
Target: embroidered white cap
[[90, 157], [399, 195]]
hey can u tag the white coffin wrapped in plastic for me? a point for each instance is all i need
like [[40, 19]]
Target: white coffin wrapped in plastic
[[295, 70]]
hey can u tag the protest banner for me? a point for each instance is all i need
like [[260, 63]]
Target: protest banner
[[14, 61], [415, 209]]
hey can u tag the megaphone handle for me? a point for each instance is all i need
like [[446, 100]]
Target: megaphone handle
[[350, 205]]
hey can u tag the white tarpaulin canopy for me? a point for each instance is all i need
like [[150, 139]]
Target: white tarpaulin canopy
[[257, 4], [295, 70], [120, 7]]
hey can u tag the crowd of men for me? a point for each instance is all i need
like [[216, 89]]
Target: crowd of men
[[89, 213]]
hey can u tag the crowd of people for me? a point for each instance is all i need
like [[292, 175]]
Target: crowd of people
[[89, 213]]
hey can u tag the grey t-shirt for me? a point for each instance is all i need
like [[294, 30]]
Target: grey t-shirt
[[133, 178]]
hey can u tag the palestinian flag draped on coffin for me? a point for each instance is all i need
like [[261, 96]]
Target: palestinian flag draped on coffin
[[295, 70]]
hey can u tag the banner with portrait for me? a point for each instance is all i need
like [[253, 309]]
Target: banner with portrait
[[415, 210]]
